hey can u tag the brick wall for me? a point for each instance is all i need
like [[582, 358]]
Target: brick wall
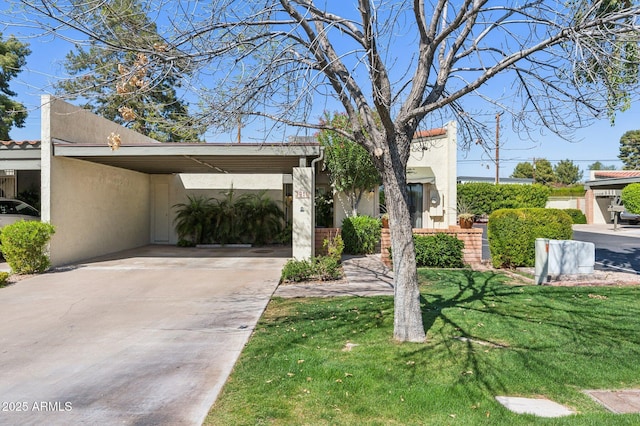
[[472, 238], [321, 235]]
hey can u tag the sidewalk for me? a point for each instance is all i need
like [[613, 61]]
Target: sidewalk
[[623, 230], [364, 276]]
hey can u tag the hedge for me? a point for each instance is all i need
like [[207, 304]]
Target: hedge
[[631, 198], [24, 246], [512, 234], [360, 234], [485, 198]]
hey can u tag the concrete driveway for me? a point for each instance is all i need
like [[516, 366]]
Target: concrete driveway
[[147, 337]]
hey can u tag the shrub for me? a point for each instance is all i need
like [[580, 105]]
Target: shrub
[[24, 246], [326, 268], [512, 234], [360, 234], [297, 270], [334, 247], [485, 198], [4, 277], [576, 216], [323, 268], [438, 251], [631, 198]]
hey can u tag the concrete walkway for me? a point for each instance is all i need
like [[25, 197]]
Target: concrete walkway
[[146, 338], [364, 276]]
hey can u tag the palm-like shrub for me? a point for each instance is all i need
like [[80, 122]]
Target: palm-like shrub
[[228, 218], [262, 216], [193, 219]]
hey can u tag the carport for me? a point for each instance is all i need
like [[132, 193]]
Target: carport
[[104, 200], [603, 189]]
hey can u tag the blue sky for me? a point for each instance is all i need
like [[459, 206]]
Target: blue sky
[[599, 142]]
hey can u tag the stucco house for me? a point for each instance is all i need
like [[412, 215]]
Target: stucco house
[[103, 200], [602, 188]]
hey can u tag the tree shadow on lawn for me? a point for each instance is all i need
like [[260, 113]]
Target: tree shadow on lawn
[[546, 333]]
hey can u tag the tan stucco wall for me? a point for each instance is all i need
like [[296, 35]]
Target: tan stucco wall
[[96, 210], [72, 124], [342, 208], [438, 153]]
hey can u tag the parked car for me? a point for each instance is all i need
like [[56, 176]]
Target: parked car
[[14, 210], [625, 216]]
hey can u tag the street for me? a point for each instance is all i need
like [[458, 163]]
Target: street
[[619, 253]]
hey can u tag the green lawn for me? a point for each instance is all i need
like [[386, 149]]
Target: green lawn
[[333, 361]]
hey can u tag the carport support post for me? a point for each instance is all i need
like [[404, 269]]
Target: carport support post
[[303, 213]]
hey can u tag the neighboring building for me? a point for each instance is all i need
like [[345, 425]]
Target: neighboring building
[[482, 179], [602, 188], [103, 201], [431, 172]]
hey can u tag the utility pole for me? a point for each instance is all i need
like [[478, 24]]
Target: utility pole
[[498, 147]]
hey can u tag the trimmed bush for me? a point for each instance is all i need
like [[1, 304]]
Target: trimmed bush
[[4, 277], [577, 216], [485, 198], [24, 246], [360, 234], [512, 234], [631, 198], [438, 251]]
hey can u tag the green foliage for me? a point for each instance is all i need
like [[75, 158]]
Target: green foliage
[[322, 268], [577, 217], [262, 217], [24, 246], [253, 217], [360, 234], [296, 270], [350, 167], [523, 170], [193, 219], [567, 173], [484, 198], [512, 234], [631, 198], [4, 278], [113, 79], [438, 251], [326, 268], [324, 208], [568, 191], [541, 171], [13, 55], [599, 166], [334, 247], [630, 150]]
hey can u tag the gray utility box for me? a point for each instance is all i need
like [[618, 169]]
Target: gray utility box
[[563, 257]]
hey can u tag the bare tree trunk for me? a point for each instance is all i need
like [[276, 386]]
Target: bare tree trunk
[[407, 324]]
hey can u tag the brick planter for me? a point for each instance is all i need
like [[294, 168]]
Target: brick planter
[[472, 238], [321, 235]]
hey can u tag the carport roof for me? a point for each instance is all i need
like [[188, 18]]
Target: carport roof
[[167, 158]]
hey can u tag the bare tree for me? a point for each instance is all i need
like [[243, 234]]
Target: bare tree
[[409, 62]]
